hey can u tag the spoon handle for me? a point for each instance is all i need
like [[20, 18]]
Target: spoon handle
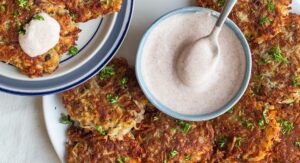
[[226, 11]]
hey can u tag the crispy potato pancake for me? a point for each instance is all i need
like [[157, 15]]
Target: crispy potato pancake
[[84, 10], [246, 133], [105, 102], [165, 139], [259, 20], [13, 17], [92, 147]]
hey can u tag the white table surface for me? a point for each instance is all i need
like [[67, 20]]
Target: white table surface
[[23, 136]]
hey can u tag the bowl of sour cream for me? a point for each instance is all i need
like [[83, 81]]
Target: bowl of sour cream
[[161, 79]]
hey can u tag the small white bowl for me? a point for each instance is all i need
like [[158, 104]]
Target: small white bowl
[[201, 117]]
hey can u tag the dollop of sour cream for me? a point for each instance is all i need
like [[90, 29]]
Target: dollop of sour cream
[[41, 35]]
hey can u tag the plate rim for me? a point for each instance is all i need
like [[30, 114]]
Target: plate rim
[[120, 37]]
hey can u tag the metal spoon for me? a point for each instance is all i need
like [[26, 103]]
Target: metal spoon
[[193, 66]]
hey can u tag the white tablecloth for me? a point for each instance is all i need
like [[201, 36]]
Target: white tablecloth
[[23, 136]]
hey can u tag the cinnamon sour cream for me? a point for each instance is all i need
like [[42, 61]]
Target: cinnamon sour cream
[[40, 35], [161, 73]]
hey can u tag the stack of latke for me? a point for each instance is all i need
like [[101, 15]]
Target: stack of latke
[[263, 127], [14, 14]]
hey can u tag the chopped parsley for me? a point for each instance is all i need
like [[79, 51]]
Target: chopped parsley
[[100, 130], [39, 17], [295, 81], [297, 143], [261, 76], [73, 16], [112, 99], [276, 54], [65, 119], [173, 153], [247, 124], [123, 81], [222, 142], [123, 159], [73, 50], [15, 13], [286, 126], [261, 123], [185, 126], [106, 2], [264, 20], [2, 8], [220, 2], [23, 3], [270, 6], [238, 141], [22, 31], [106, 72], [187, 157]]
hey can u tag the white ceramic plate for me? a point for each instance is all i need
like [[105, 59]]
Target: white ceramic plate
[[142, 18], [98, 42]]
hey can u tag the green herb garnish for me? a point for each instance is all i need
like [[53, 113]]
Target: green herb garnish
[[73, 50], [276, 54], [123, 81], [222, 142], [123, 159], [270, 6], [23, 3], [247, 124], [65, 119], [2, 8], [15, 13], [112, 99], [286, 126], [173, 153], [39, 17], [264, 20], [187, 157], [261, 123], [100, 130], [106, 72], [297, 143], [73, 16], [185, 126], [238, 141], [295, 81], [22, 31]]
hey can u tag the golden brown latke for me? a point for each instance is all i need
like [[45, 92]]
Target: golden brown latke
[[106, 101], [259, 20], [246, 133], [84, 10], [165, 139], [92, 147], [13, 17]]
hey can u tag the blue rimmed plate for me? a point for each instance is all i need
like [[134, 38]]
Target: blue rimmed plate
[[98, 43]]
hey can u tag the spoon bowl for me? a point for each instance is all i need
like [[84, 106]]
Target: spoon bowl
[[199, 59]]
